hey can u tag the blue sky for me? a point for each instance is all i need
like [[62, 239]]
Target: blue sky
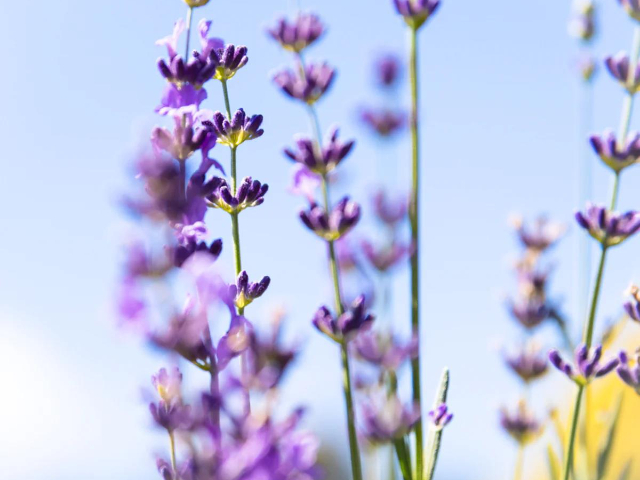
[[499, 103]]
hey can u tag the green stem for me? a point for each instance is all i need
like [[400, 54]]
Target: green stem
[[189, 21], [517, 474], [589, 327], [415, 242], [356, 467], [615, 190], [572, 435], [172, 447], [225, 93]]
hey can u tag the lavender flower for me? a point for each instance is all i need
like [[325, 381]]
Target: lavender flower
[[618, 67], [613, 155], [629, 370], [320, 159], [343, 328], [587, 366], [384, 259], [540, 236], [632, 7], [333, 225], [520, 424], [304, 182], [244, 292], [183, 141], [389, 421], [228, 60], [298, 34], [416, 12], [196, 3], [169, 412], [192, 243], [235, 132], [633, 307], [529, 311], [587, 67], [387, 70], [389, 211], [307, 86], [440, 416], [582, 21], [384, 350], [250, 193], [528, 364], [383, 122], [608, 228]]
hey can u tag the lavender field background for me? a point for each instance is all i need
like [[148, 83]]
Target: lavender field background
[[500, 136]]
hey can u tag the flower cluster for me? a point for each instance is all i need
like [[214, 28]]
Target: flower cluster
[[334, 224], [416, 12], [307, 85], [237, 130], [343, 327], [614, 155], [298, 34], [618, 67], [250, 193], [520, 424], [632, 308], [607, 227], [320, 159], [587, 364]]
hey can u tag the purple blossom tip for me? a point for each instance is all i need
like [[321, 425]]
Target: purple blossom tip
[[520, 424], [607, 227], [388, 421], [332, 225], [298, 34], [440, 416], [250, 193], [587, 364], [416, 12], [344, 327], [308, 86], [320, 160], [237, 130]]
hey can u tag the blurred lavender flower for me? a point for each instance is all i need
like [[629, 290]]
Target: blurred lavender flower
[[608, 228], [629, 370], [587, 366], [304, 182], [632, 7], [307, 86], [529, 311], [183, 141], [244, 292], [346, 255], [613, 155], [240, 129], [385, 258], [587, 67], [633, 307], [196, 3], [384, 349], [520, 424], [320, 160], [582, 21], [250, 193], [618, 67], [344, 327], [389, 211], [176, 102], [191, 241], [296, 35], [333, 225], [169, 412], [387, 70], [228, 60], [529, 363], [383, 122], [389, 421], [440, 416], [416, 12], [539, 236]]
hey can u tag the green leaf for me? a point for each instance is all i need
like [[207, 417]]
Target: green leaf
[[555, 469], [604, 452], [435, 436]]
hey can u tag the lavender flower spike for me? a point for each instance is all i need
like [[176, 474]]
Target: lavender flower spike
[[320, 160], [333, 225], [169, 412], [244, 292], [389, 421], [228, 61], [540, 236], [237, 130], [520, 424], [632, 7], [633, 307], [307, 86], [612, 154], [343, 328], [416, 12], [587, 366], [528, 364], [440, 416], [629, 370], [297, 35], [608, 228], [384, 350], [618, 67], [250, 193], [383, 122]]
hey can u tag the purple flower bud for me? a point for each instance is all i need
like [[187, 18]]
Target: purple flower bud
[[235, 131], [582, 20], [529, 363], [632, 308], [228, 61], [587, 67], [440, 416], [383, 122], [389, 421], [632, 7], [307, 86], [416, 12], [618, 67], [320, 160], [608, 228], [169, 412], [246, 292], [587, 364], [385, 258], [629, 370], [521, 425], [336, 223], [615, 156], [389, 211], [183, 141], [539, 236], [296, 35], [250, 193], [384, 350], [344, 327], [529, 311], [387, 70]]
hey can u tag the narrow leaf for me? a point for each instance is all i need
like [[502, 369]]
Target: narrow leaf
[[434, 436], [604, 453], [553, 461]]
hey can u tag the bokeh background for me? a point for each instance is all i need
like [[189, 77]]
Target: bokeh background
[[500, 109]]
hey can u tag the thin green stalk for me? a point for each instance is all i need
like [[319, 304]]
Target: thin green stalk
[[615, 190], [587, 336], [627, 106], [517, 474], [572, 435], [225, 93], [189, 21], [356, 467], [414, 219], [172, 448]]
